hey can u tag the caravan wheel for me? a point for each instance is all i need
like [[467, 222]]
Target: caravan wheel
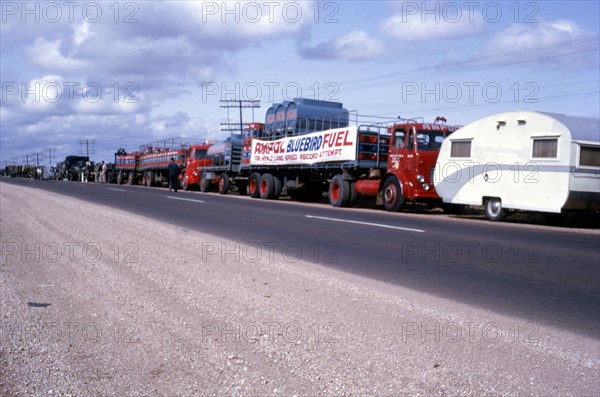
[[493, 209]]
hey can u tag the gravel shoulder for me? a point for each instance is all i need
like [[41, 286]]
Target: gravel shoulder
[[95, 301]]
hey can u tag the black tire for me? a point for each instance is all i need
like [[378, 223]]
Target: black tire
[[120, 178], [223, 183], [339, 192], [204, 183], [184, 182], [253, 185], [266, 187], [277, 187], [493, 209], [393, 197], [353, 195]]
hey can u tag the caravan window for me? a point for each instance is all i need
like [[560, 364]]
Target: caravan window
[[589, 156], [460, 149], [545, 148]]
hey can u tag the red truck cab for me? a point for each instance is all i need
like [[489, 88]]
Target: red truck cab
[[413, 152], [195, 159]]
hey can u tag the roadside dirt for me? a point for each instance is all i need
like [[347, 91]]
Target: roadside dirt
[[95, 301]]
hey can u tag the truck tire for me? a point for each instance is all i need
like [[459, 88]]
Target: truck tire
[[149, 179], [266, 187], [184, 182], [130, 179], [120, 178], [339, 192], [393, 198], [204, 183], [253, 185], [353, 194], [493, 209], [277, 187], [224, 183]]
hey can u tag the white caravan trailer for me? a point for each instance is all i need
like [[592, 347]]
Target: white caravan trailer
[[522, 161]]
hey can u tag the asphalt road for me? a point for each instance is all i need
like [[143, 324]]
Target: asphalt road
[[539, 274]]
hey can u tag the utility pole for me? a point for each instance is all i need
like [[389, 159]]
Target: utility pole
[[51, 151], [240, 104], [87, 147]]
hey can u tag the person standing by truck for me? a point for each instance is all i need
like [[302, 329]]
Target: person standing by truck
[[173, 173]]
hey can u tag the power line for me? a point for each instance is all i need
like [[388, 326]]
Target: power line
[[87, 147]]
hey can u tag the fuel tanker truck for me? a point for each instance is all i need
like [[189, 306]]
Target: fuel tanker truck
[[308, 147]]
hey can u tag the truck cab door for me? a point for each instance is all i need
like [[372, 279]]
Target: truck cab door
[[397, 150]]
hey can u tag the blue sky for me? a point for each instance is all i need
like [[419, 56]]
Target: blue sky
[[129, 73]]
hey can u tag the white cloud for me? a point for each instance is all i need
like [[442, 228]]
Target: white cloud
[[424, 27], [47, 56], [356, 45], [81, 33], [519, 37], [560, 42]]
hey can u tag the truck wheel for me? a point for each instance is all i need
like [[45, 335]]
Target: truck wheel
[[493, 209], [149, 179], [185, 185], [130, 179], [277, 187], [204, 183], [353, 194], [224, 183], [339, 192], [393, 199], [253, 184], [266, 187], [119, 178]]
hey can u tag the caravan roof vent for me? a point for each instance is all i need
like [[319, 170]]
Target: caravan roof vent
[[501, 123], [522, 120]]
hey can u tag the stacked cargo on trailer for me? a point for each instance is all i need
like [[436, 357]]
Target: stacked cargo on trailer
[[316, 150], [148, 166]]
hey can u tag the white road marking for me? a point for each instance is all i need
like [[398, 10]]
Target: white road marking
[[366, 223], [116, 190], [185, 199]]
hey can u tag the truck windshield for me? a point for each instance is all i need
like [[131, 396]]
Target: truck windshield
[[429, 140], [200, 154]]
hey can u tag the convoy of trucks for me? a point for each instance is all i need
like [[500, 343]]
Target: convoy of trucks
[[148, 166], [307, 148]]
